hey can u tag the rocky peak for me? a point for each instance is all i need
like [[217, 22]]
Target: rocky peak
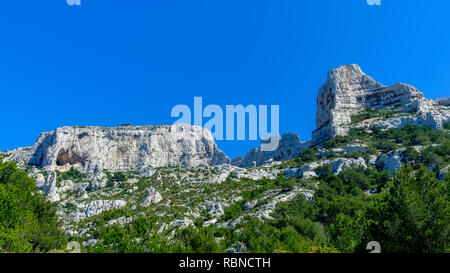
[[347, 91]]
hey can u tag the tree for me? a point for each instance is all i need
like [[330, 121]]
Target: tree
[[28, 222], [347, 233], [324, 170], [413, 215]]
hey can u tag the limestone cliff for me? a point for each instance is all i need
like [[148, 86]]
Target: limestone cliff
[[124, 148], [348, 91]]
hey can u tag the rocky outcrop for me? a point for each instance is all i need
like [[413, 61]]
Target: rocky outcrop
[[423, 112], [250, 205], [151, 197], [289, 147], [337, 165], [256, 174], [183, 223], [347, 91], [216, 210], [391, 161], [92, 149], [99, 206]]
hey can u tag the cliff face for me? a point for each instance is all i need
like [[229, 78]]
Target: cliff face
[[289, 147], [92, 149], [347, 91]]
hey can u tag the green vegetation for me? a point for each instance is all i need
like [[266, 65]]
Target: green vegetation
[[411, 215], [407, 212], [366, 114], [447, 125], [72, 174], [28, 222], [386, 113]]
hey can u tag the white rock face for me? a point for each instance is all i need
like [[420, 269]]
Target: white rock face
[[425, 113], [92, 149], [289, 147], [352, 148], [216, 210], [337, 165], [391, 161], [348, 90], [47, 185], [256, 174], [120, 221], [99, 206], [99, 180], [250, 205], [443, 172], [210, 222], [151, 197], [186, 222]]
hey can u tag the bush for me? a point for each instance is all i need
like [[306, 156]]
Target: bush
[[385, 146], [324, 170], [233, 211], [308, 155], [118, 177], [72, 174], [337, 141], [366, 114], [446, 126]]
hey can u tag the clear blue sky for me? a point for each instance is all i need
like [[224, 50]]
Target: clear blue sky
[[116, 61]]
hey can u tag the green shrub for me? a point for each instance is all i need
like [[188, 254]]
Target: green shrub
[[337, 141], [324, 170], [72, 174], [366, 114], [118, 177]]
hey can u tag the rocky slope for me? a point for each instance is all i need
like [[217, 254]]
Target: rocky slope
[[100, 177]]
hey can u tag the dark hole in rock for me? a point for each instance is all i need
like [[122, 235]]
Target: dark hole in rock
[[83, 135], [67, 157]]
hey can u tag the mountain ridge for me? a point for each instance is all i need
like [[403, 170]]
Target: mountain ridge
[[347, 92]]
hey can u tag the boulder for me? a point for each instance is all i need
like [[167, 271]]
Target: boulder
[[100, 206], [390, 161], [183, 223], [216, 210], [151, 196]]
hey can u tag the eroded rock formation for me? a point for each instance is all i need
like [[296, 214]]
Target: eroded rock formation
[[92, 149]]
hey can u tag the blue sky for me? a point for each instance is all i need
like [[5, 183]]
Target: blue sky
[[113, 62]]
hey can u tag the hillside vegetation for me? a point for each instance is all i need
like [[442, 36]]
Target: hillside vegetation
[[406, 211]]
